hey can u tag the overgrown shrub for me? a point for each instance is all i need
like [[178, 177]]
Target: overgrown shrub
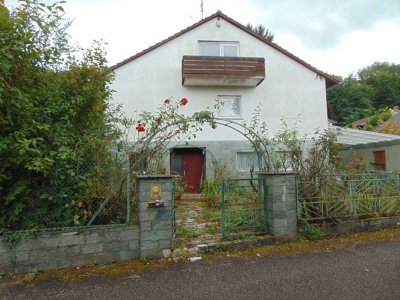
[[55, 118]]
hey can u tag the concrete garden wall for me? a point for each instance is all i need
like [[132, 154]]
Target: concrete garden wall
[[52, 249], [77, 246], [353, 226]]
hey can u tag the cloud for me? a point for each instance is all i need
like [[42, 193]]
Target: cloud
[[321, 24], [337, 36], [354, 50]]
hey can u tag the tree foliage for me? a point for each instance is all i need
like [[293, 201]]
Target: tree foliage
[[350, 100], [54, 117], [384, 78], [262, 31], [360, 95]]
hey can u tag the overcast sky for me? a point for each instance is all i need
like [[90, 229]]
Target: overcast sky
[[336, 36]]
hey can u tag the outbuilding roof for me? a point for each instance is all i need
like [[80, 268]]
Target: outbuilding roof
[[349, 136], [330, 80]]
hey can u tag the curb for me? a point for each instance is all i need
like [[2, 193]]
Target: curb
[[235, 245]]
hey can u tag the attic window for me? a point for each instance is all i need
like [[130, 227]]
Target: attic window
[[217, 48]]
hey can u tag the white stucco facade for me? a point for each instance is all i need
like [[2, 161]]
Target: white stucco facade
[[290, 90]]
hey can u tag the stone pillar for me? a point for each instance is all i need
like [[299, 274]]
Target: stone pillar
[[281, 204], [155, 223]]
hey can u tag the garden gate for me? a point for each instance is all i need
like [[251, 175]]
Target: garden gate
[[244, 207]]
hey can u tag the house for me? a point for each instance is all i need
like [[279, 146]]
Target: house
[[218, 58]]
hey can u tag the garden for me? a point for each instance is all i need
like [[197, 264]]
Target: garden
[[67, 157]]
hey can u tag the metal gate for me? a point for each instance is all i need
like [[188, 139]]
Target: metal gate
[[243, 207], [173, 196]]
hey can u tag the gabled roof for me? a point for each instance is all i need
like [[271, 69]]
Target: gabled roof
[[330, 80]]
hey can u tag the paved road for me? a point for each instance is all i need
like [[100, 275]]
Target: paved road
[[371, 271]]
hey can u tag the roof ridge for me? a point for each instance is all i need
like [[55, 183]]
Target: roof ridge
[[328, 77]]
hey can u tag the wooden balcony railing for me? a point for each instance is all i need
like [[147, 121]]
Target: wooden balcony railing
[[222, 71]]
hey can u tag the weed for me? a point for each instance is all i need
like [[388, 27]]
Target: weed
[[220, 248], [211, 215], [314, 233], [30, 276], [211, 192], [187, 233], [212, 229]]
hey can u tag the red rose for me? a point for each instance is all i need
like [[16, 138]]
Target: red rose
[[140, 127], [166, 101], [184, 101]]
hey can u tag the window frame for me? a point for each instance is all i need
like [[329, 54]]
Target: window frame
[[221, 45], [256, 166], [231, 97]]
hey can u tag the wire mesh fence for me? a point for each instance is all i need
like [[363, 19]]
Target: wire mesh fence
[[341, 197], [94, 194]]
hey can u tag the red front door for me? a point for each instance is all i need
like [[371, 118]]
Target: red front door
[[193, 165], [189, 163]]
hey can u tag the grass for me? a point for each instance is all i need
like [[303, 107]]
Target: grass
[[210, 215], [186, 233], [212, 229]]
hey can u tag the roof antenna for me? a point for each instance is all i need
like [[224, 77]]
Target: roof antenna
[[201, 7]]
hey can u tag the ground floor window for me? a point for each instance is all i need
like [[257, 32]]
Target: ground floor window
[[246, 161]]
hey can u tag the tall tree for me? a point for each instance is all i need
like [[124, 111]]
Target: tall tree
[[372, 88], [262, 31], [384, 78], [349, 101]]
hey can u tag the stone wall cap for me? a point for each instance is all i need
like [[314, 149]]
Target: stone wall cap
[[155, 176], [276, 173]]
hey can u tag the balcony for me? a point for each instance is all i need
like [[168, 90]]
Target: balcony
[[222, 71]]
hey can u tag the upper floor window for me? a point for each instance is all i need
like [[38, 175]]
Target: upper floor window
[[229, 107], [215, 48]]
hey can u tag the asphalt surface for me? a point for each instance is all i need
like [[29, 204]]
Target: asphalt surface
[[370, 271]]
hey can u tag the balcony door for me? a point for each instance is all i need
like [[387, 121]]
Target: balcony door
[[218, 48]]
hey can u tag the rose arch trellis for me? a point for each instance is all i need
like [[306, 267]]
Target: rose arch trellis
[[236, 126]]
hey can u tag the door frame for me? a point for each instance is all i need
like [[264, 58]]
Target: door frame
[[190, 147]]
